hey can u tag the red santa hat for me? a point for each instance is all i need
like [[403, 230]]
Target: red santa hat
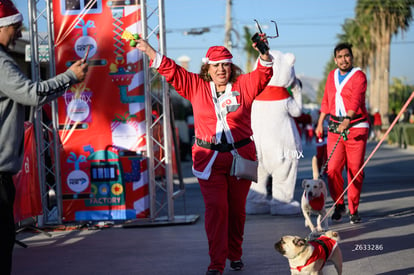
[[217, 54], [9, 14]]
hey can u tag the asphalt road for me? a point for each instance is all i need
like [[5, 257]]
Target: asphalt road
[[382, 244]]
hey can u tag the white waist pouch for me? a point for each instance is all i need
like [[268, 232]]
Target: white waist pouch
[[244, 168]]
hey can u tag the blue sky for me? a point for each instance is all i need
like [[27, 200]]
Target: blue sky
[[307, 28]]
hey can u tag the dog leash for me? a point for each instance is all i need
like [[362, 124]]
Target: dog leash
[[344, 135], [313, 236]]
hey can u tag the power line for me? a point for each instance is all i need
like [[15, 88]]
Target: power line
[[289, 46]]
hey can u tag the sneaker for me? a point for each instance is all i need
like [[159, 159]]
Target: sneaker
[[339, 211], [354, 218], [213, 272], [236, 265]]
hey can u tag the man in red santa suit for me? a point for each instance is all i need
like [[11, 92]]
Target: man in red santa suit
[[344, 101], [222, 99]]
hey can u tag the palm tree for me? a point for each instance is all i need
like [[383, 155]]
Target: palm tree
[[355, 33], [321, 87], [250, 52], [383, 18]]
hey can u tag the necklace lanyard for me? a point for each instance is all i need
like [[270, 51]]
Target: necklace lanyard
[[221, 112]]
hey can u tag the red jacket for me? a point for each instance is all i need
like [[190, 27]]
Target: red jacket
[[353, 94], [238, 103]]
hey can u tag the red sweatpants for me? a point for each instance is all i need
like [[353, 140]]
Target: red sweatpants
[[321, 156], [350, 153], [225, 212]]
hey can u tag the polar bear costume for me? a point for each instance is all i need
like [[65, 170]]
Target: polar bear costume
[[277, 140]]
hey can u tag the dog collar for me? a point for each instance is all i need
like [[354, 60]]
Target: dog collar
[[303, 250]]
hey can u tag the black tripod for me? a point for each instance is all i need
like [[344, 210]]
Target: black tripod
[[28, 224]]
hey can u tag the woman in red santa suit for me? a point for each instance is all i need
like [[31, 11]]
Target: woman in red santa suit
[[221, 98], [344, 101]]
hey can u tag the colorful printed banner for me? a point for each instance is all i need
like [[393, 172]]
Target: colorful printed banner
[[102, 120]]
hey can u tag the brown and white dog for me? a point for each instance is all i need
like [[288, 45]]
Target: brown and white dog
[[309, 257], [313, 200]]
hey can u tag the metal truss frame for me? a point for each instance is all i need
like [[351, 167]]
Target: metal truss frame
[[161, 189], [47, 138], [152, 23]]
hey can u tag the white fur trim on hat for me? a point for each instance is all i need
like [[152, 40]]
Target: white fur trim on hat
[[221, 61], [206, 60], [12, 19]]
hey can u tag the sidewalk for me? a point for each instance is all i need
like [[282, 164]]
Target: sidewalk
[[382, 244]]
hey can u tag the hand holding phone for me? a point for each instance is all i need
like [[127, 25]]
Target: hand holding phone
[[86, 55], [260, 44]]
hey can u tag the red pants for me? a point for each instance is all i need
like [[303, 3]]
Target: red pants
[[321, 156], [351, 153], [225, 213]]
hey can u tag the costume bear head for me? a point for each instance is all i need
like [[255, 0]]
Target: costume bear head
[[283, 69]]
